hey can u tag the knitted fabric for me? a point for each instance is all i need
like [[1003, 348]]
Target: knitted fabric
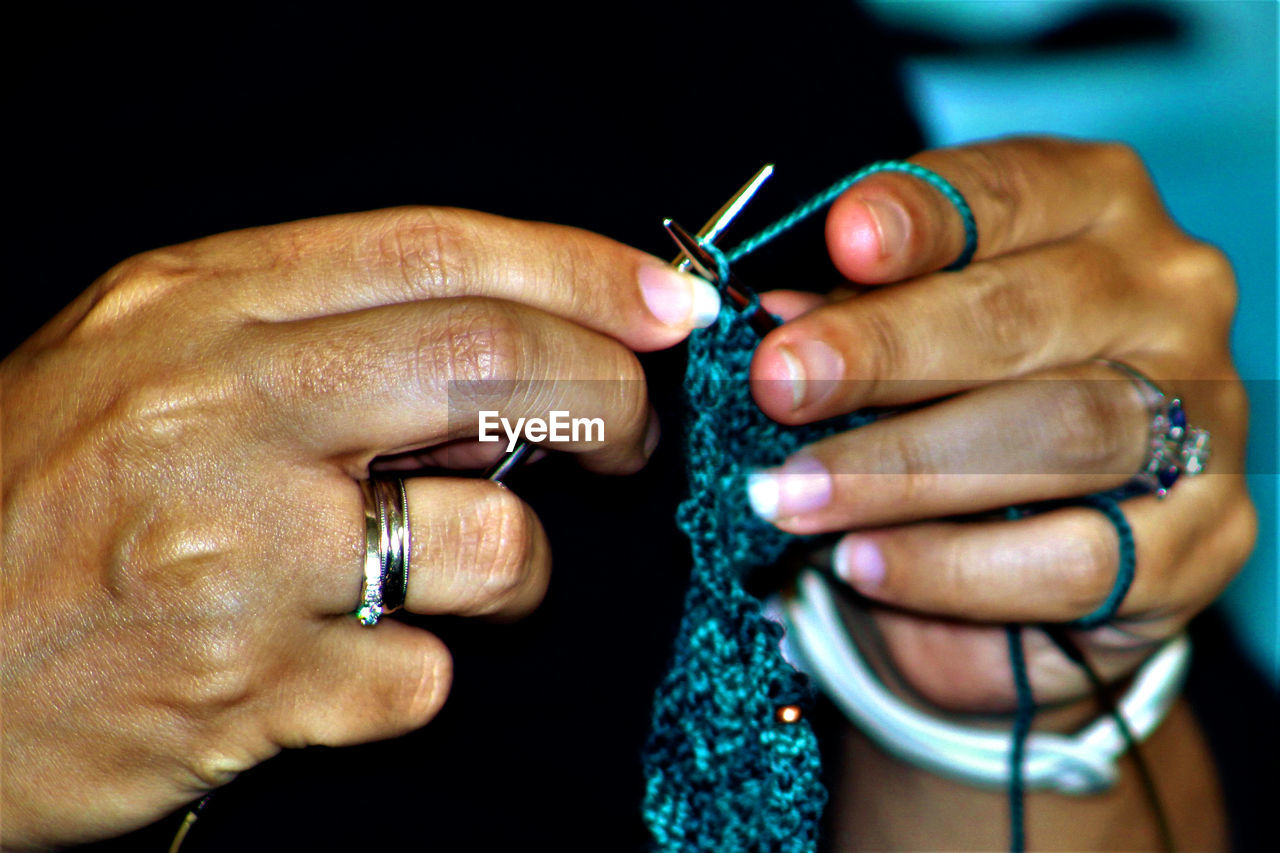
[[724, 772]]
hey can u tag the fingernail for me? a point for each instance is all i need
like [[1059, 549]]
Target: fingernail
[[813, 368], [652, 434], [795, 376], [859, 562], [891, 226], [677, 298], [800, 486]]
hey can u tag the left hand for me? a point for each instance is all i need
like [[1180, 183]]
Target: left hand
[[1077, 261]]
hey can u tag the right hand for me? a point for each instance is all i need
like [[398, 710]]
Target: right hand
[[182, 521]]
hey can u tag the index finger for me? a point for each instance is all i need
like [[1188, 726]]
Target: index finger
[[1023, 192], [348, 263]]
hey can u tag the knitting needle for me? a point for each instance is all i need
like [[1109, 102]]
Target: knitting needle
[[714, 227], [721, 219], [740, 296]]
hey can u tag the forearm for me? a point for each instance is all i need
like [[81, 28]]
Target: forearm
[[884, 804]]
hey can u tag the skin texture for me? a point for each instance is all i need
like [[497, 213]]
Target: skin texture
[[197, 420], [187, 437]]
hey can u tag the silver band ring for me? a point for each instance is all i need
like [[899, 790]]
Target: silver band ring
[[394, 508], [1174, 448], [386, 550]]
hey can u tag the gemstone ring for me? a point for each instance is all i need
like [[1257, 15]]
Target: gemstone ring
[[1175, 449]]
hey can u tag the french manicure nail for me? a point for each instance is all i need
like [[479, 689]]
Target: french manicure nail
[[859, 562], [891, 225], [706, 302], [795, 376], [813, 368], [678, 299], [800, 486], [763, 493]]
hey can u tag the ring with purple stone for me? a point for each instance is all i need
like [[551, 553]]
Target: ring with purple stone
[[1174, 448]]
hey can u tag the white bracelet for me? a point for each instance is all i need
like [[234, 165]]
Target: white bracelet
[[816, 642]]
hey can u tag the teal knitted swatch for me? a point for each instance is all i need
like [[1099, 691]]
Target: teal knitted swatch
[[724, 772]]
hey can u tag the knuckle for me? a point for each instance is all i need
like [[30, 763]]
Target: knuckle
[[1085, 425], [218, 671], [913, 466], [169, 411], [154, 266], [1213, 263], [169, 580], [1207, 274], [427, 250], [1002, 180], [1198, 279], [214, 767], [1008, 311], [884, 352], [1132, 192], [1120, 159], [210, 660], [133, 285], [478, 348]]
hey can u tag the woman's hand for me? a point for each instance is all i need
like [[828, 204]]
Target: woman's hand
[[183, 535], [1008, 403]]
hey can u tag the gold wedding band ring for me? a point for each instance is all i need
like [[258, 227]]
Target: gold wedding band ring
[[386, 550]]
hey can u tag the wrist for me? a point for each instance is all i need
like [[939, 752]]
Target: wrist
[[879, 802]]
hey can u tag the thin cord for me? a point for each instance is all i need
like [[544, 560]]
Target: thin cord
[[832, 192], [1026, 710], [1128, 559], [1060, 638]]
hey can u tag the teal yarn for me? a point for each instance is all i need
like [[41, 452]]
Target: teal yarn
[[1025, 699], [1023, 715], [833, 192], [1106, 611]]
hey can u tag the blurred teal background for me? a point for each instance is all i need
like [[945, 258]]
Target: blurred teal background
[[1192, 86]]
